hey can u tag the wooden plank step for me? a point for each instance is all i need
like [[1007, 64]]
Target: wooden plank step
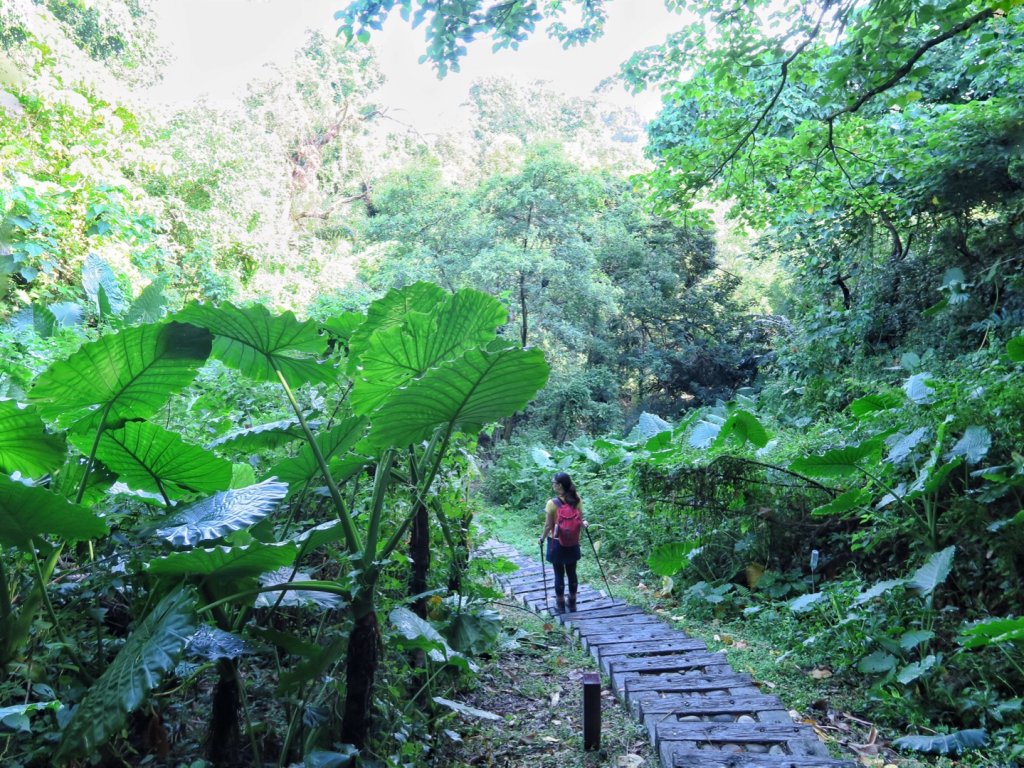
[[589, 607], [603, 626], [683, 645], [686, 682], [675, 662], [713, 703], [731, 733], [629, 648], [708, 668], [597, 639], [676, 755], [600, 609]]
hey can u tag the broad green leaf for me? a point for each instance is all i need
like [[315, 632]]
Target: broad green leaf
[[101, 286], [745, 427], [395, 355], [840, 462], [992, 632], [913, 638], [140, 666], [295, 598], [944, 744], [222, 513], [930, 478], [130, 374], [704, 433], [390, 310], [1015, 349], [464, 709], [149, 306], [901, 445], [918, 388], [25, 445], [319, 758], [915, 669], [344, 325], [877, 663], [804, 603], [210, 643], [671, 558], [262, 436], [327, 532], [649, 425], [480, 387], [412, 627], [30, 511], [844, 502], [147, 457], [226, 563], [933, 573], [300, 469], [541, 458], [255, 342], [973, 446], [877, 590]]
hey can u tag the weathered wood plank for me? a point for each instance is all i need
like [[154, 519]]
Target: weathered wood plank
[[710, 704], [729, 733], [669, 663], [618, 613], [677, 755], [598, 639], [651, 649], [618, 679], [658, 645], [682, 683]]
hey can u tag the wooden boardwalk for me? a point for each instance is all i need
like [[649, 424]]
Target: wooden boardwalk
[[698, 712]]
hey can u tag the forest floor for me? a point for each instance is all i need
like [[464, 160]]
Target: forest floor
[[534, 684]]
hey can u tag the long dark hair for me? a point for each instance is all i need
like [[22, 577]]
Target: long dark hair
[[568, 488]]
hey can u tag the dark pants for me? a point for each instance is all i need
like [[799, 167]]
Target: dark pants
[[560, 574]]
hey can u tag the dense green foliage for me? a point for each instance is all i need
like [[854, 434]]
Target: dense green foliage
[[255, 362]]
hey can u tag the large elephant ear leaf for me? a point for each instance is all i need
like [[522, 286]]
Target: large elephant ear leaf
[[217, 516], [29, 511], [25, 445], [395, 355], [126, 375], [140, 666], [260, 437], [147, 457], [389, 310], [480, 387], [226, 563], [300, 469], [258, 344]]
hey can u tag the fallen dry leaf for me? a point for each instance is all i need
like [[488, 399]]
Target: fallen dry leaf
[[629, 761], [820, 673], [555, 698]]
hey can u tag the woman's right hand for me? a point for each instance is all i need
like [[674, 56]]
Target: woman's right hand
[[541, 541]]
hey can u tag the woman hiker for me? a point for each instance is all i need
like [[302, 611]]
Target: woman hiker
[[562, 520]]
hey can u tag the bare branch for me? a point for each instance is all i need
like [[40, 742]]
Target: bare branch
[[905, 68]]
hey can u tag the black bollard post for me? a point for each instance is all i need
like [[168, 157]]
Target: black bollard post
[[591, 710]]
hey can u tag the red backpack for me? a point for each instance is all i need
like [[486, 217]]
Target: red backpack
[[567, 524]]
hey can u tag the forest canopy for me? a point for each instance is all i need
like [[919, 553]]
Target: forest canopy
[[270, 370]]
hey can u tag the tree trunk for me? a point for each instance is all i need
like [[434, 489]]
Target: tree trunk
[[224, 738], [360, 669], [419, 554], [524, 332]]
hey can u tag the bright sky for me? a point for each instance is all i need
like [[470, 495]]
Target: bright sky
[[217, 46]]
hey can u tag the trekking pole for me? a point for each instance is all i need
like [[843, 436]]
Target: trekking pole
[[606, 584], [544, 575]]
